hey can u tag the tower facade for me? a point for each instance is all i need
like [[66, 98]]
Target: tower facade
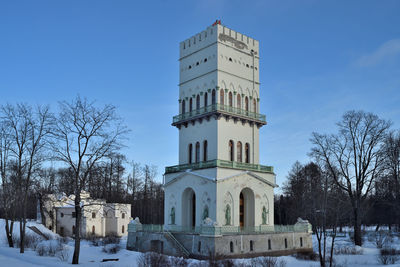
[[219, 179]]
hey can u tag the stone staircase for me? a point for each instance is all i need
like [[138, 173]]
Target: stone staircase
[[170, 237]]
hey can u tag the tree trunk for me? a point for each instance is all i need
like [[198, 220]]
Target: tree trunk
[[22, 237], [78, 210], [9, 231], [357, 227]]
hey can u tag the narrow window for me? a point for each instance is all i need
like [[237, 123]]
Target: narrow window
[[197, 156], [230, 59], [221, 97], [198, 102], [197, 63], [73, 229], [93, 230], [231, 246], [183, 106], [239, 151], [93, 215], [231, 156], [62, 214], [213, 98], [251, 245], [123, 229], [285, 243], [73, 214], [190, 67], [199, 246], [246, 103], [230, 99], [247, 153], [190, 153], [123, 215], [190, 105], [254, 105], [238, 101], [301, 242], [205, 60], [205, 99], [205, 150], [269, 244]]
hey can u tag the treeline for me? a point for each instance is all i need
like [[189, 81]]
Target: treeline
[[84, 141], [352, 179]]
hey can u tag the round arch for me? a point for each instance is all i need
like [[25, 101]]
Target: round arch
[[246, 207], [188, 207]]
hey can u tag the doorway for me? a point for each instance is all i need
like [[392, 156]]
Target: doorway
[[189, 208], [246, 208]]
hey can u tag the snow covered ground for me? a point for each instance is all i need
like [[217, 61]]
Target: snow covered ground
[[93, 255]]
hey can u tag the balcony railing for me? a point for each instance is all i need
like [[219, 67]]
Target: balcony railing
[[221, 230], [220, 163], [221, 108]]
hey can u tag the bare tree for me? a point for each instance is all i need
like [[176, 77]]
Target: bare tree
[[391, 156], [7, 196], [85, 134], [353, 157], [29, 129]]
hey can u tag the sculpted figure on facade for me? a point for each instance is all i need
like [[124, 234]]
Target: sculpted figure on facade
[[228, 215]]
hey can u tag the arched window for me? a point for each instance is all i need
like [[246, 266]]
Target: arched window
[[190, 105], [123, 215], [190, 153], [93, 230], [230, 99], [197, 156], [205, 99], [221, 96], [247, 153], [183, 106], [198, 102], [239, 151], [205, 148], [254, 105], [238, 101], [123, 229], [213, 98], [246, 103], [231, 155]]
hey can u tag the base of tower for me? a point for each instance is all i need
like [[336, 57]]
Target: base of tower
[[198, 246]]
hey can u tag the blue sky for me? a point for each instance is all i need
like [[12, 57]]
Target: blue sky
[[318, 60]]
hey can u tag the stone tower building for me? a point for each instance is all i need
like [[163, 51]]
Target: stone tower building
[[219, 175], [219, 199]]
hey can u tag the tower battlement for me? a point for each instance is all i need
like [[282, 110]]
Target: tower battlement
[[218, 33]]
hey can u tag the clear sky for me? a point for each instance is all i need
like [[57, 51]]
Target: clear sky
[[318, 60]]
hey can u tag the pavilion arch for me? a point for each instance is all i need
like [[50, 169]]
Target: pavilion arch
[[246, 208], [188, 207], [223, 85]]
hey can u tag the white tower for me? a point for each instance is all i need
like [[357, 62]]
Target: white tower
[[219, 175]]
